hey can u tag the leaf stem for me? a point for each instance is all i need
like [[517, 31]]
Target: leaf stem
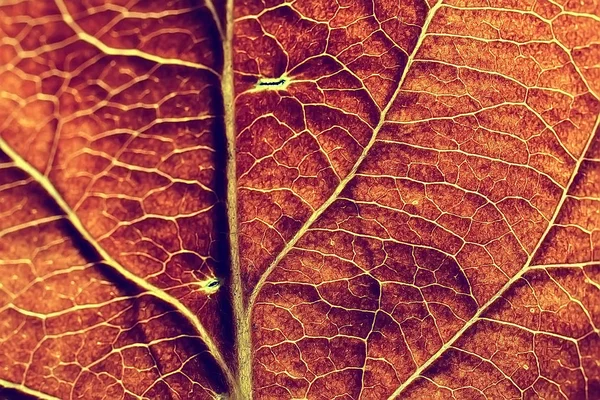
[[241, 321]]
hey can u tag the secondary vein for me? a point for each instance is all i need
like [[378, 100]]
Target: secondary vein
[[510, 282], [24, 389], [290, 245], [45, 183]]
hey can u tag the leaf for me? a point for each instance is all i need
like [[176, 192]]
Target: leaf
[[320, 200]]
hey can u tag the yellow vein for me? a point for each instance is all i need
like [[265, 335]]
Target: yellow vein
[[508, 284], [351, 174], [43, 181], [26, 390], [243, 387], [215, 15], [86, 37], [566, 265]]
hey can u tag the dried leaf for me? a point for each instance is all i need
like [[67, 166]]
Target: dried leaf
[[299, 200]]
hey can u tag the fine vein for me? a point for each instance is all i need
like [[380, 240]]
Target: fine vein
[[45, 183], [508, 284], [290, 245]]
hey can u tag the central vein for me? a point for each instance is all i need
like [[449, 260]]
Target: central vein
[[241, 321]]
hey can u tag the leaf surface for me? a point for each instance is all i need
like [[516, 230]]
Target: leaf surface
[[271, 200]]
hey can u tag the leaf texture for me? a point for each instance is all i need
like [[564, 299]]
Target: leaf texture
[[299, 200]]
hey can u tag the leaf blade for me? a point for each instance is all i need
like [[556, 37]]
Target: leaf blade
[[106, 258], [399, 191], [508, 286], [301, 300]]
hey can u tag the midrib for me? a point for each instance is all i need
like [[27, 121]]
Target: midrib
[[243, 344]]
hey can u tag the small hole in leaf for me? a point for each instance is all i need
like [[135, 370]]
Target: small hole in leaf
[[279, 82], [213, 283]]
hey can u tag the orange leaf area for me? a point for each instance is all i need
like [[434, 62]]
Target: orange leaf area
[[251, 199]]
